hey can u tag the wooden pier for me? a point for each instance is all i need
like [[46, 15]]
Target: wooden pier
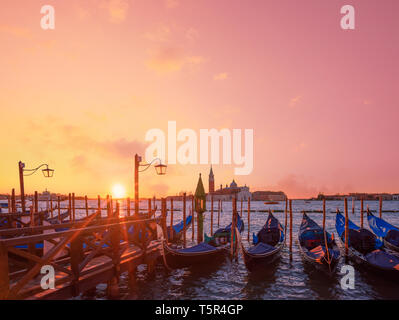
[[83, 253]]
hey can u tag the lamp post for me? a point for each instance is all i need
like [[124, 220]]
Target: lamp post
[[47, 172], [159, 168]]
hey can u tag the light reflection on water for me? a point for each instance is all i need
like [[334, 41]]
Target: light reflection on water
[[288, 278]]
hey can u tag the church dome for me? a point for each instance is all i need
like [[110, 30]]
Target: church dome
[[233, 184]]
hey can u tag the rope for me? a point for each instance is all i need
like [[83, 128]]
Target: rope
[[161, 241], [329, 260], [163, 254]]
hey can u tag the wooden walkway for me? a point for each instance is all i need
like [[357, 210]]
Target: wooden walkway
[[83, 254]]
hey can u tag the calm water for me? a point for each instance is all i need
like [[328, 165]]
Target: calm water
[[287, 279]]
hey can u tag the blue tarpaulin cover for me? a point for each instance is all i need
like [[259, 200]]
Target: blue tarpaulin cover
[[201, 247], [240, 227], [379, 226], [179, 226], [261, 248], [340, 226], [272, 224]]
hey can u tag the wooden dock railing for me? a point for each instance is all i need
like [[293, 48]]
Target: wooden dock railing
[[82, 253]]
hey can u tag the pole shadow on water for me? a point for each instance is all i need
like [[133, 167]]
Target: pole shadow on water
[[325, 286], [379, 286], [259, 281]]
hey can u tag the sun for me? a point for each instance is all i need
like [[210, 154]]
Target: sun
[[118, 191]]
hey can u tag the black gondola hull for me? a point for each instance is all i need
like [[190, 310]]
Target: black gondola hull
[[257, 262], [175, 259], [391, 246], [359, 259]]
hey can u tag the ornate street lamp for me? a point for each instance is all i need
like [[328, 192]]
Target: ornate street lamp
[[47, 172], [159, 168]]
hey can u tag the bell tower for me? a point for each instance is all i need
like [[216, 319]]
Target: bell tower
[[211, 182]]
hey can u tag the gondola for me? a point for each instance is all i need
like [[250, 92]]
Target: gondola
[[267, 245], [365, 249], [175, 232], [387, 233], [211, 249], [318, 247]]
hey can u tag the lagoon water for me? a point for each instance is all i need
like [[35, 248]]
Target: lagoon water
[[289, 278]]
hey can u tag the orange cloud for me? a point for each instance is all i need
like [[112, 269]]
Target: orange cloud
[[171, 59], [161, 34], [221, 76], [20, 32], [171, 3], [294, 101], [117, 9]]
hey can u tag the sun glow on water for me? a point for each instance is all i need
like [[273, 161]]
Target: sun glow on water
[[118, 191]]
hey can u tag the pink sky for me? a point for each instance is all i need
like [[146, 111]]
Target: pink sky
[[322, 101]]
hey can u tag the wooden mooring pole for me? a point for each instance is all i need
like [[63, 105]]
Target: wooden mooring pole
[[163, 213], [249, 218], [346, 226], [9, 203], [184, 220], [380, 209], [51, 207], [233, 225], [59, 208], [37, 209], [211, 215], [128, 207], [353, 205], [193, 218], [70, 207], [171, 212], [286, 219], [290, 204], [219, 208], [99, 207], [86, 207], [13, 204], [73, 207], [324, 214], [361, 213]]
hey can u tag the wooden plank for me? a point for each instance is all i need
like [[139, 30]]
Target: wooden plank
[[4, 278]]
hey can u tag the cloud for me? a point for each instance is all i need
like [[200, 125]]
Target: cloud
[[300, 146], [171, 3], [172, 59], [161, 34], [294, 101], [59, 135], [192, 34], [296, 186], [116, 9], [16, 31], [81, 13], [221, 76]]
